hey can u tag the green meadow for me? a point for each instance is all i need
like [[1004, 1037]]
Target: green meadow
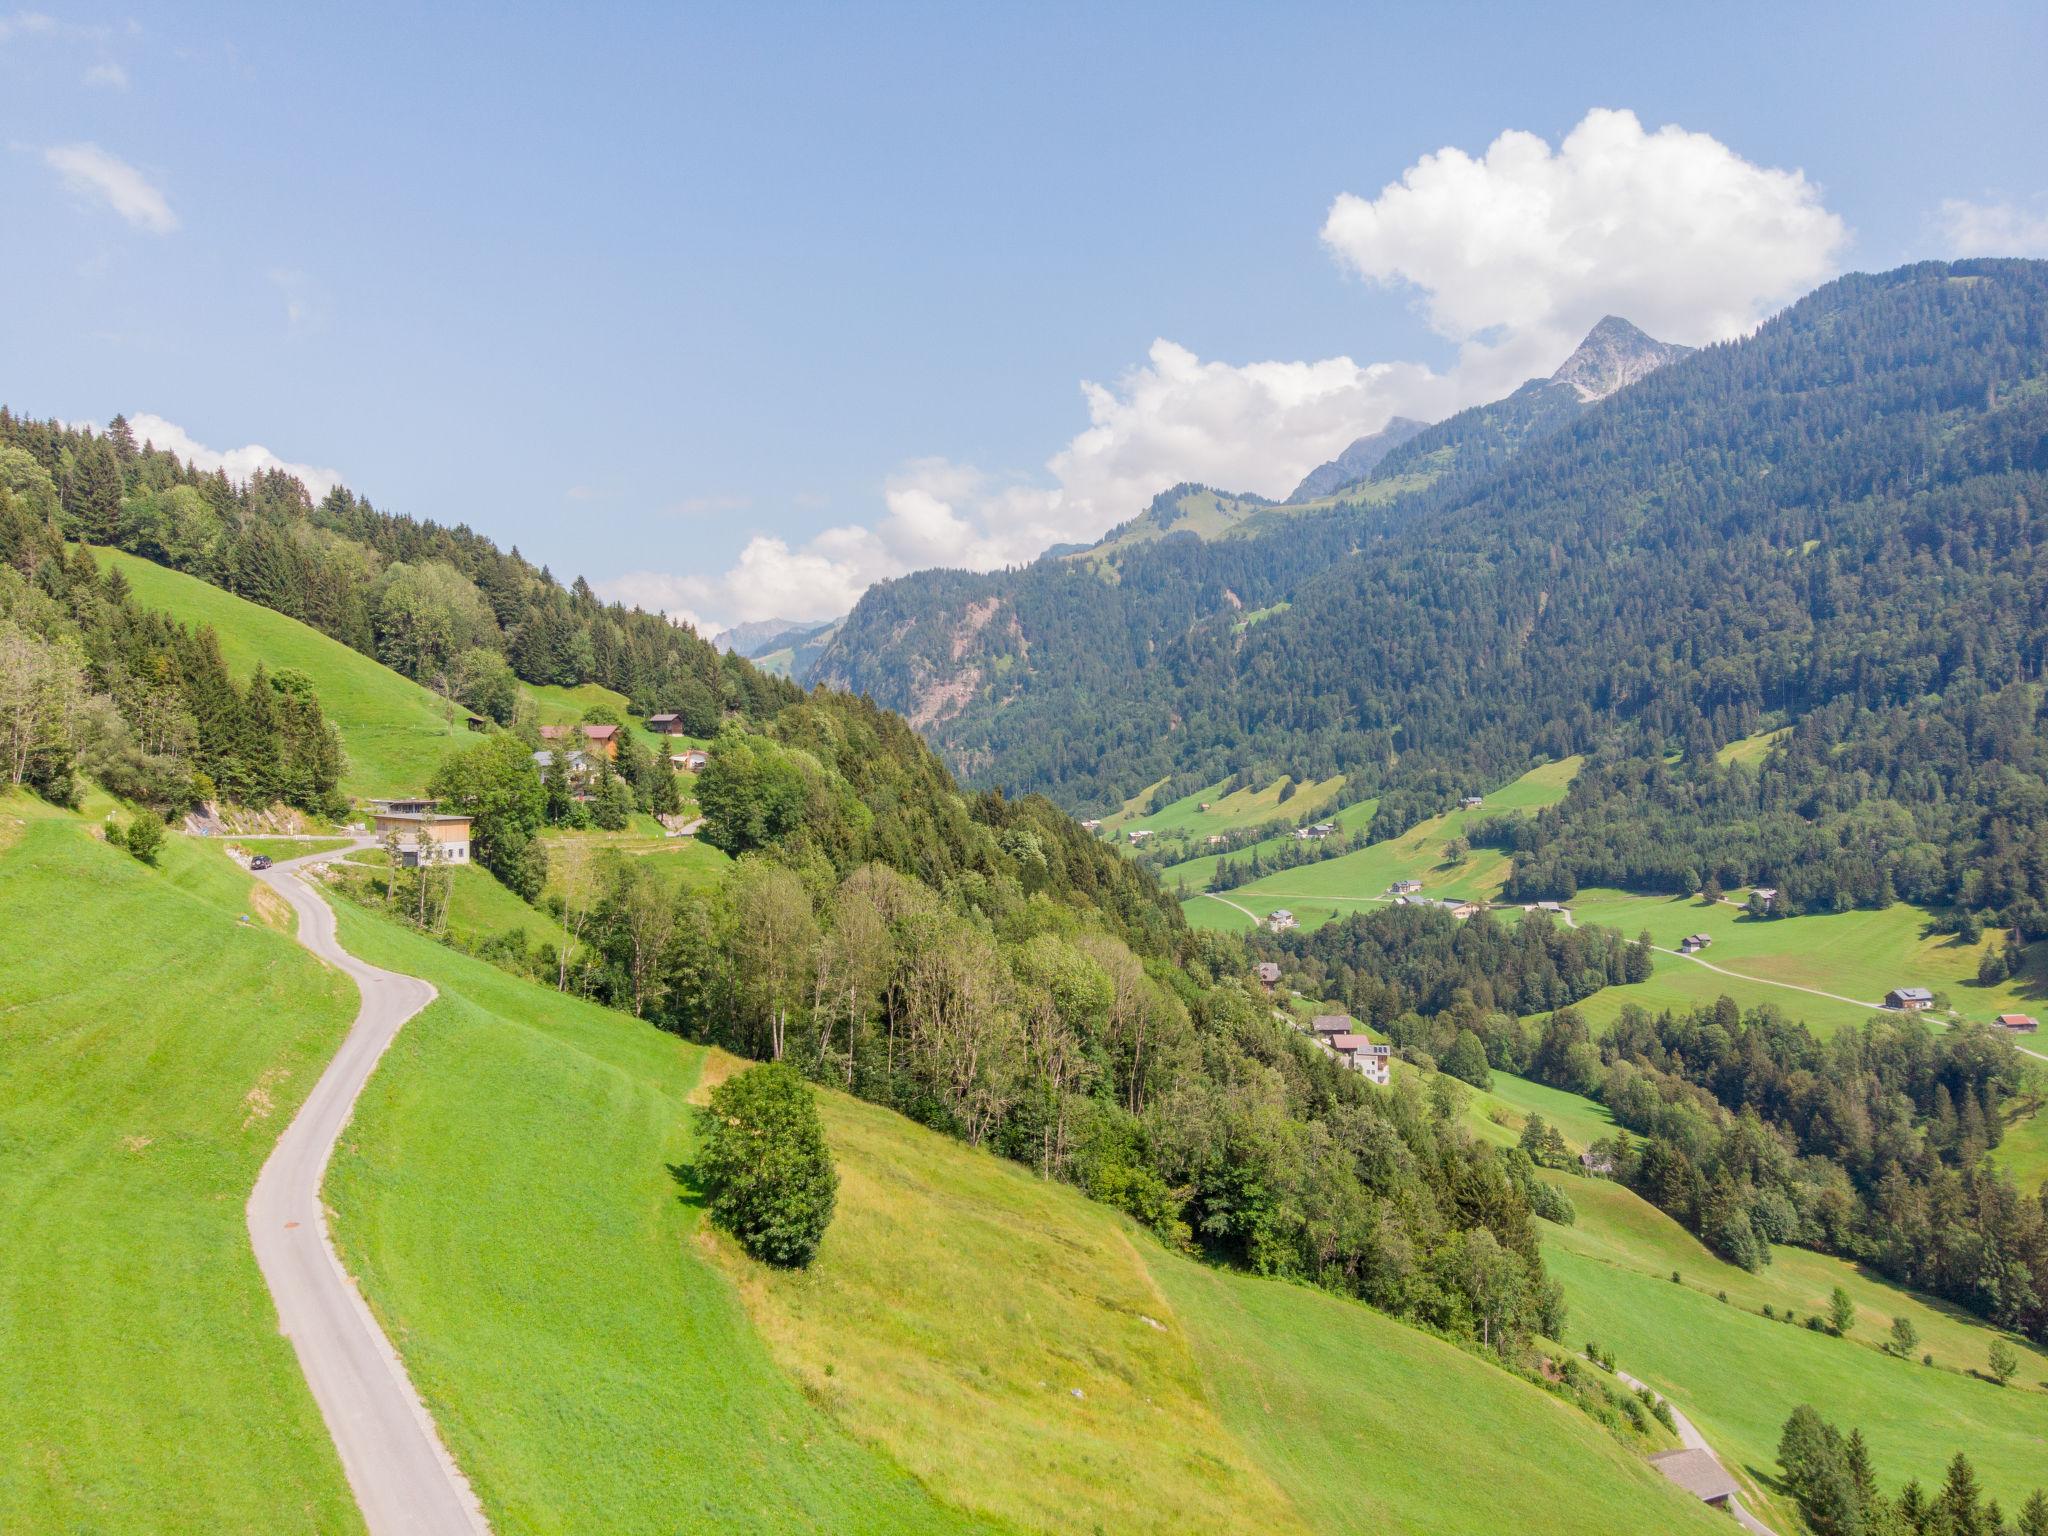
[[574, 857], [152, 1047], [1373, 1427], [1357, 881], [1859, 955], [1197, 872], [1228, 810], [1740, 1374], [395, 731], [515, 1195], [508, 1196]]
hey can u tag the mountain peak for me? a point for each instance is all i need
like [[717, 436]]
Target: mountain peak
[[1613, 355]]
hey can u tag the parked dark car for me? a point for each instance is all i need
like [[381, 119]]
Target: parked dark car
[[261, 861]]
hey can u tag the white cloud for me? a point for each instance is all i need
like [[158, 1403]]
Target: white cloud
[[1513, 255], [1519, 252], [90, 172], [26, 24], [109, 74], [1993, 228], [240, 463]]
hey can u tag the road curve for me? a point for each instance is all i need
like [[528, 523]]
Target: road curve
[[404, 1479], [1690, 1437]]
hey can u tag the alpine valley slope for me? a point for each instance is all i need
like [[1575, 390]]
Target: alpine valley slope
[[1720, 540], [516, 1195], [1097, 645]]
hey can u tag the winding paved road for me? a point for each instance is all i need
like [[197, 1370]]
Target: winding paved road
[[404, 1479]]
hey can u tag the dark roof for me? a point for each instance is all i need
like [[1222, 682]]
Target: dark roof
[[1333, 1023], [1698, 1473], [1917, 994]]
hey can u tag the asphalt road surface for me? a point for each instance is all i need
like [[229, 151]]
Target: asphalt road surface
[[403, 1477]]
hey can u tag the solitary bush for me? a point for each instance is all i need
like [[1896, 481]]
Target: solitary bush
[[766, 1166], [144, 836]]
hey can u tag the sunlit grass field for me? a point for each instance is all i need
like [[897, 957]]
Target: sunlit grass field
[[1358, 881], [515, 1194], [152, 1047], [394, 731]]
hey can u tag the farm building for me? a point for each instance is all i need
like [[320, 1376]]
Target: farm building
[[1269, 974], [1596, 1162], [1909, 999], [1764, 895], [447, 836], [1091, 825], [1365, 1057], [691, 761], [1699, 1474], [2018, 1023], [1471, 803], [1138, 834], [1693, 943], [1405, 887], [666, 725], [599, 738], [1280, 920], [1464, 909], [1325, 1025]]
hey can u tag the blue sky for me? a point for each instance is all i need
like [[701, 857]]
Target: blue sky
[[733, 309]]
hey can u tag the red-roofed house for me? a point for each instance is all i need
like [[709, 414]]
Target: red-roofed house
[[2018, 1023]]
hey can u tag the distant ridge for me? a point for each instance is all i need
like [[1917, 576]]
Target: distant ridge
[[1357, 461]]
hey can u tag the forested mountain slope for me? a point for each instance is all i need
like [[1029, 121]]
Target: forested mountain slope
[[1835, 521], [977, 660], [442, 605]]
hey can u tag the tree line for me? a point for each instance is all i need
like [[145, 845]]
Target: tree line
[[92, 684], [444, 606]]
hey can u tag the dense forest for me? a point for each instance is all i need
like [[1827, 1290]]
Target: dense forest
[[92, 684], [1837, 524], [444, 606]]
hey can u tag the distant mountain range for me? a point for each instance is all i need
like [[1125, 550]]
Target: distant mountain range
[[786, 647], [1586, 561], [925, 644], [1357, 461]]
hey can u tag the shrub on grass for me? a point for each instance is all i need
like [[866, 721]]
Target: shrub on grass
[[143, 836], [2004, 1363], [765, 1164]]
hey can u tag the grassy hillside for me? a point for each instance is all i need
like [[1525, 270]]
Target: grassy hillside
[[681, 860], [515, 1196], [1860, 955], [395, 731], [1229, 810], [1354, 882], [506, 1197], [140, 1091], [1197, 872], [1375, 1428], [1740, 1374]]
